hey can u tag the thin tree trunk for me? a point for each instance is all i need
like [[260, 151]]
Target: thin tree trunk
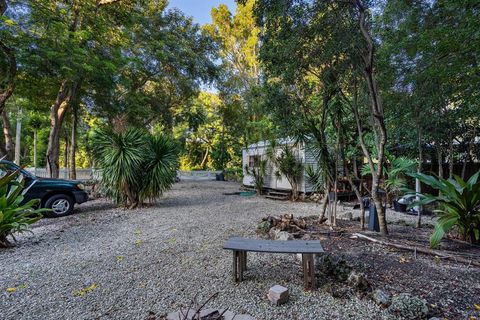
[[7, 132], [440, 161], [324, 204], [35, 137], [418, 187], [65, 155], [18, 136], [73, 145], [205, 157], [376, 111], [467, 153], [67, 93], [450, 159]]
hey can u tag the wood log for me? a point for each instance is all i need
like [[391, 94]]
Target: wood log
[[418, 249]]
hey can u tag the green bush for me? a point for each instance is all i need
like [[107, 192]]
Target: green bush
[[135, 164], [258, 172], [14, 216], [459, 204]]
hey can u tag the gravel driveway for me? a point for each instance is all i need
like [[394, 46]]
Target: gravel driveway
[[109, 263]]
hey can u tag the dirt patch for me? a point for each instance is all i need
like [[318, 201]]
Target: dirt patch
[[450, 288]]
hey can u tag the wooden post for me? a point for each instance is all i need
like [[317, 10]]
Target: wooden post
[[309, 279], [235, 274]]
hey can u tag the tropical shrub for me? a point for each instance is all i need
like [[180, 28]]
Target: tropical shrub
[[135, 164], [14, 216], [459, 206], [395, 173], [287, 165], [258, 172]]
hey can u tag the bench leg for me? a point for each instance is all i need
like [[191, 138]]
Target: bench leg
[[244, 260], [309, 279], [239, 265]]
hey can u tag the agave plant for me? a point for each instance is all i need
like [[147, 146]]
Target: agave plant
[[459, 206], [135, 164], [15, 217]]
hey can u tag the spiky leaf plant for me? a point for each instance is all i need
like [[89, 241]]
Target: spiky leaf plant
[[459, 206], [135, 164], [15, 217]]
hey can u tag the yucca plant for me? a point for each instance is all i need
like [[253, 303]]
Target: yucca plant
[[287, 165], [459, 206], [258, 172], [135, 164], [15, 217]]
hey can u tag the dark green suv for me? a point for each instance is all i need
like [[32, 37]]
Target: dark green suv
[[56, 194]]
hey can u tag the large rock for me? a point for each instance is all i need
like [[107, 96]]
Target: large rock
[[358, 281], [408, 307], [381, 298], [276, 234]]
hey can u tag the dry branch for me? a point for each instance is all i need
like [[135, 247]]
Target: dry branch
[[417, 249]]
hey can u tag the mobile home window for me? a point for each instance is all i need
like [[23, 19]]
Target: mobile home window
[[253, 161]]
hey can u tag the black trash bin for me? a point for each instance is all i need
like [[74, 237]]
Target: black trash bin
[[220, 176], [373, 224]]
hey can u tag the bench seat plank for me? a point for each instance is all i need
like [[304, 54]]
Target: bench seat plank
[[274, 246]]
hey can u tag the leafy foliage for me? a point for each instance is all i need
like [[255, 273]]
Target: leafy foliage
[[287, 164], [258, 172], [395, 173], [14, 216], [459, 203], [135, 165]]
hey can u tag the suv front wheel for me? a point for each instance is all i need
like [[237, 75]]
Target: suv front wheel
[[60, 204]]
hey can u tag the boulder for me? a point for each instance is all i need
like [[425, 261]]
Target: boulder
[[381, 298], [408, 307], [276, 234], [358, 281]]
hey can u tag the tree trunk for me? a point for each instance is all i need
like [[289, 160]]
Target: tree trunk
[[376, 111], [440, 161], [65, 155], [67, 93], [467, 152], [73, 145], [7, 132], [450, 159], [324, 204], [18, 136], [35, 137], [418, 187], [9, 78]]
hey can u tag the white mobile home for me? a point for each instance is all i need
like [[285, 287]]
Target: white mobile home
[[258, 151]]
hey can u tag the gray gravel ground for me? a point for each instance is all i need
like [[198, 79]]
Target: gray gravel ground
[[109, 263]]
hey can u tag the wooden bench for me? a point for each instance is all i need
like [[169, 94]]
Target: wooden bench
[[240, 247]]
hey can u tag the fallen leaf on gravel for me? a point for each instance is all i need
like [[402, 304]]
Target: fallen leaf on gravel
[[11, 289], [138, 242], [84, 291], [404, 260], [477, 306], [137, 231]]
